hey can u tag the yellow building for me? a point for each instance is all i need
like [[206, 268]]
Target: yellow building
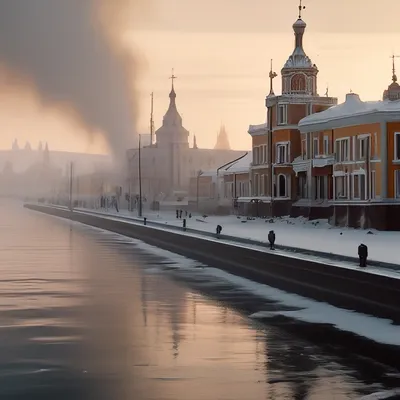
[[362, 141]]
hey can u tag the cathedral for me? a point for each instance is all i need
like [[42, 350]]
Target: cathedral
[[167, 165]]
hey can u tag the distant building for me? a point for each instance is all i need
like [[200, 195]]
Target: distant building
[[168, 164], [222, 140], [41, 172], [218, 191]]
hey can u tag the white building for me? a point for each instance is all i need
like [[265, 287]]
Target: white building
[[168, 165]]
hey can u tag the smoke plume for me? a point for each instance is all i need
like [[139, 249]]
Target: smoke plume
[[70, 53]]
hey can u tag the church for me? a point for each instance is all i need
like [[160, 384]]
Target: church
[[167, 165]]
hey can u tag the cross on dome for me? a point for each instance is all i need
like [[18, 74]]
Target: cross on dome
[[301, 7], [172, 77], [394, 76]]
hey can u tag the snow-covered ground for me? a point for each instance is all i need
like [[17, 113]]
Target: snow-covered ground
[[309, 235]]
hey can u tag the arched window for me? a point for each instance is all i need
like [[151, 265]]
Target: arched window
[[298, 83], [282, 186]]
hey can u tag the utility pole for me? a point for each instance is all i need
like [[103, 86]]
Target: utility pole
[[272, 76], [70, 186], [140, 179], [151, 120]]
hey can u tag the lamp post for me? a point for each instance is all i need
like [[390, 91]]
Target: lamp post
[[140, 179], [199, 173], [70, 186]]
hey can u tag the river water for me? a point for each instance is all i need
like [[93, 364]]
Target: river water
[[87, 314]]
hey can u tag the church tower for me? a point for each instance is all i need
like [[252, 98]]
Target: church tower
[[172, 139], [392, 93], [222, 140], [299, 74], [172, 131]]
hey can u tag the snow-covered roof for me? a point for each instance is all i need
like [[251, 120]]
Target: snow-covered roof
[[352, 112], [242, 165], [257, 128]]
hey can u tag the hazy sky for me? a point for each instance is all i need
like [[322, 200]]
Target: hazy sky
[[221, 52]]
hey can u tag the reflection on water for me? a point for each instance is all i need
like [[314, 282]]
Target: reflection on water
[[89, 314]]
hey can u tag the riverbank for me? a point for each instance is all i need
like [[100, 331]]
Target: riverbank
[[344, 290]]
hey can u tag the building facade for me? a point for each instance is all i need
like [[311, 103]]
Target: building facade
[[363, 160], [168, 165], [279, 170], [218, 191]]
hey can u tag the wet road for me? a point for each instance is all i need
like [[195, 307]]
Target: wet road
[[87, 314]]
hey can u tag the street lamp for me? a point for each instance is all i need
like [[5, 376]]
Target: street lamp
[[199, 173], [140, 178]]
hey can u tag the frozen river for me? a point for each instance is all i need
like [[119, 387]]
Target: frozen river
[[86, 314]]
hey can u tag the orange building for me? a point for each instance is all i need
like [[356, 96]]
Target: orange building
[[276, 185], [361, 152]]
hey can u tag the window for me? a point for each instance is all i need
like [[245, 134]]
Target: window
[[282, 154], [282, 186], [304, 149], [373, 185], [320, 186], [302, 187], [356, 187], [262, 193], [298, 83], [397, 146], [364, 148], [315, 147], [326, 145], [397, 183], [266, 188], [256, 185], [309, 108], [341, 187], [342, 149], [282, 114], [261, 155]]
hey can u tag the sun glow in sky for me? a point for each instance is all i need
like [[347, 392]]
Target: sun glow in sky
[[221, 52]]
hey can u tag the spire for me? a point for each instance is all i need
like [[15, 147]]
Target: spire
[[46, 156], [299, 59], [393, 90], [272, 75], [172, 94], [15, 145], [394, 76], [195, 142], [222, 140]]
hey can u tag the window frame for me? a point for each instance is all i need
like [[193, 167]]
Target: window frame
[[339, 156], [396, 155], [278, 157], [397, 184], [315, 140], [326, 145], [283, 106]]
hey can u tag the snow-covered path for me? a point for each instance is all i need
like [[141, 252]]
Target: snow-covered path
[[308, 235]]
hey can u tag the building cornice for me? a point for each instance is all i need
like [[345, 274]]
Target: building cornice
[[351, 120], [301, 99]]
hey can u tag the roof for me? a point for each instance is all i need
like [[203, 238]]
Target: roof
[[352, 112], [242, 165]]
